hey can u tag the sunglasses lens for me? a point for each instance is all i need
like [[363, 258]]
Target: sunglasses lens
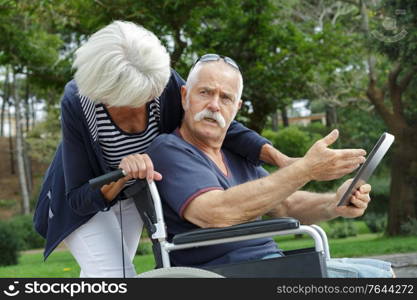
[[209, 57], [215, 57], [231, 62]]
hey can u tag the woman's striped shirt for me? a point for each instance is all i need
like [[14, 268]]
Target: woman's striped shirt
[[116, 143]]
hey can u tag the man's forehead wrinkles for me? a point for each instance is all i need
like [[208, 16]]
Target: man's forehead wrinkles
[[213, 87]]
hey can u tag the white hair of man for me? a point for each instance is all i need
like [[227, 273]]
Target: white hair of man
[[193, 76], [122, 64]]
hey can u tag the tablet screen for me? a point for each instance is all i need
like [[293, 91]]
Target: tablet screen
[[368, 167]]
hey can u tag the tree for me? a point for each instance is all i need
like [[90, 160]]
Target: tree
[[274, 55], [390, 91], [27, 47], [383, 39]]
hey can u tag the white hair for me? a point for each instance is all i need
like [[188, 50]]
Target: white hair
[[122, 64], [193, 75]]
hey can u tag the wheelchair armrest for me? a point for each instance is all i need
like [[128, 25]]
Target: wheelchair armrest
[[254, 227]]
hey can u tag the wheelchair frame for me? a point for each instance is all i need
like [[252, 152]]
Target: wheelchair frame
[[148, 203]]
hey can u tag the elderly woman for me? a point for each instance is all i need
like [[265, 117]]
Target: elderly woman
[[123, 95]]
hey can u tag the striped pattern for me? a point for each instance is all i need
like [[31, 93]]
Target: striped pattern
[[89, 109], [114, 142]]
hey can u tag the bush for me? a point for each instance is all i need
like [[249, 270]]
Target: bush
[[375, 222], [380, 193], [9, 245], [410, 227], [316, 130], [22, 227], [291, 140], [342, 229]]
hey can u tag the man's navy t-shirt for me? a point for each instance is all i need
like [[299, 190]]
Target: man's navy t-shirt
[[187, 173]]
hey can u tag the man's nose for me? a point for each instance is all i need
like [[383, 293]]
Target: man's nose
[[214, 104]]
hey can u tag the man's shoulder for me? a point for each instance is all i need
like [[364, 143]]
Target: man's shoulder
[[165, 139], [166, 143], [171, 146]]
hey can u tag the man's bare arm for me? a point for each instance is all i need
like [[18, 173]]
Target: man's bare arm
[[250, 200], [307, 207], [246, 201], [312, 208]]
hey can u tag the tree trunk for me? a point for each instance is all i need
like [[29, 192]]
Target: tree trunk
[[3, 112], [6, 93], [11, 147], [275, 121], [256, 122], [403, 195], [20, 151], [179, 48], [27, 105], [331, 115], [28, 167], [33, 110], [284, 116]]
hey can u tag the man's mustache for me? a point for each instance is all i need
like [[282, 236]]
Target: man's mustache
[[212, 115]]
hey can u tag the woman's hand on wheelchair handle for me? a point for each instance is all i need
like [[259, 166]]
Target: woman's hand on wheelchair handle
[[139, 166]]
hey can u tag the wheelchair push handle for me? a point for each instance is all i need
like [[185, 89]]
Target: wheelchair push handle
[[99, 181]]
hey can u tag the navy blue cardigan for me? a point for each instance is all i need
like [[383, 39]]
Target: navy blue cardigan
[[66, 200]]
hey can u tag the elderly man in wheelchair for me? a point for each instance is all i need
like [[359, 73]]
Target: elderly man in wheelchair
[[210, 195]]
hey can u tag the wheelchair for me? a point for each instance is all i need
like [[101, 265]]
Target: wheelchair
[[299, 263]]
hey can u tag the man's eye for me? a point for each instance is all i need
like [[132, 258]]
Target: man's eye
[[226, 99]]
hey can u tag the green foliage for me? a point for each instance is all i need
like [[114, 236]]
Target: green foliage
[[359, 128], [25, 40], [380, 194], [287, 50], [44, 137], [6, 203], [375, 222], [342, 229], [316, 130], [28, 238], [291, 140], [9, 245], [145, 248], [410, 227], [295, 141]]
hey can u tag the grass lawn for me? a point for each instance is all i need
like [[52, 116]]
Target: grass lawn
[[362, 245], [61, 264]]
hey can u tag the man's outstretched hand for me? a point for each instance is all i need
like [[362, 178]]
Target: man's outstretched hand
[[325, 164]]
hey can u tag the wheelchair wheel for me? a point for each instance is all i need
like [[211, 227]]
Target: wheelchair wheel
[[179, 272]]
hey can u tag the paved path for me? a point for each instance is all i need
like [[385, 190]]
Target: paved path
[[404, 264]]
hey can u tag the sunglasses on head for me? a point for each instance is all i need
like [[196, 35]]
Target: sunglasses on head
[[216, 57]]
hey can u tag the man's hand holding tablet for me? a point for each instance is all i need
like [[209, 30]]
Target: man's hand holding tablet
[[368, 167]]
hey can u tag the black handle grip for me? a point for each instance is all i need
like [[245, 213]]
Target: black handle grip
[[106, 178]]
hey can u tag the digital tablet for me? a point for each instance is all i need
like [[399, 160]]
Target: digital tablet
[[368, 167]]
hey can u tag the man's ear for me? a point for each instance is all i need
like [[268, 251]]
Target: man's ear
[[184, 97], [239, 105]]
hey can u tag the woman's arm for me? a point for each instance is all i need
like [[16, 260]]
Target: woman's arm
[[79, 163], [274, 157], [252, 146]]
